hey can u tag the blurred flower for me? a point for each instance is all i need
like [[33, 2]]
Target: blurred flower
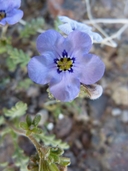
[[65, 63], [10, 12], [71, 25]]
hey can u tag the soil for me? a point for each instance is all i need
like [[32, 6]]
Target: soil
[[97, 131]]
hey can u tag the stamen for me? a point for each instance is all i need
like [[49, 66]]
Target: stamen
[[71, 70], [59, 71], [55, 61], [64, 53], [73, 59]]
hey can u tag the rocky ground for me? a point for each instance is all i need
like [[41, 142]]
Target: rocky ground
[[97, 131]]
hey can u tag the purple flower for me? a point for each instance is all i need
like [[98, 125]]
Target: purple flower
[[70, 25], [65, 63], [10, 12]]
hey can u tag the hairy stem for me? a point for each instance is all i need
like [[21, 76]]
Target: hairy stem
[[39, 148]]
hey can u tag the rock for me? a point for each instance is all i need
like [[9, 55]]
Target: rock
[[6, 149], [50, 126], [44, 116], [125, 116], [33, 92], [117, 157], [116, 112], [98, 107], [120, 95], [63, 127]]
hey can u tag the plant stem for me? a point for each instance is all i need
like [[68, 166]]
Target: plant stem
[[4, 30], [39, 148], [36, 144]]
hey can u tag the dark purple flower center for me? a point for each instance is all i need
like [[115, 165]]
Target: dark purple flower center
[[65, 63], [2, 14]]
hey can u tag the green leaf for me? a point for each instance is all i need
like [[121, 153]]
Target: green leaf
[[28, 133], [16, 56], [8, 169], [20, 159], [57, 151], [50, 140], [37, 131], [4, 164], [4, 43], [55, 157], [11, 64], [53, 167], [1, 120], [44, 165], [24, 85], [32, 27], [36, 120], [18, 110], [64, 161], [23, 125], [28, 120]]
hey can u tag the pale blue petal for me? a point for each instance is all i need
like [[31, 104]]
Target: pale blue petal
[[66, 28], [90, 68], [67, 89], [12, 17], [80, 41], [47, 41], [8, 5], [41, 69]]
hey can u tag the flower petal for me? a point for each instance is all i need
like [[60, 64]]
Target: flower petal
[[80, 41], [47, 40], [74, 24], [41, 68], [71, 25], [97, 37], [67, 89], [66, 28], [12, 17], [8, 5], [90, 69]]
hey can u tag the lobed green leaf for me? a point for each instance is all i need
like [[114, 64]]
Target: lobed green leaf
[[18, 110], [32, 27]]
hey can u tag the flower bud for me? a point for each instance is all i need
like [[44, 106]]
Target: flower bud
[[93, 91]]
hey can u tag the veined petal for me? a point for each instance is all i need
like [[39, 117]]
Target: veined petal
[[71, 25], [46, 41], [64, 44], [66, 28], [64, 19], [74, 24], [40, 69], [67, 89], [90, 67], [80, 41], [8, 5], [96, 37], [12, 17]]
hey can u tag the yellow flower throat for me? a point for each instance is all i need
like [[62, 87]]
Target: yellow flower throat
[[2, 14], [64, 64]]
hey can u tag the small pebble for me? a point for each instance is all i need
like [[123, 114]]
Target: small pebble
[[125, 116], [116, 112], [50, 126]]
